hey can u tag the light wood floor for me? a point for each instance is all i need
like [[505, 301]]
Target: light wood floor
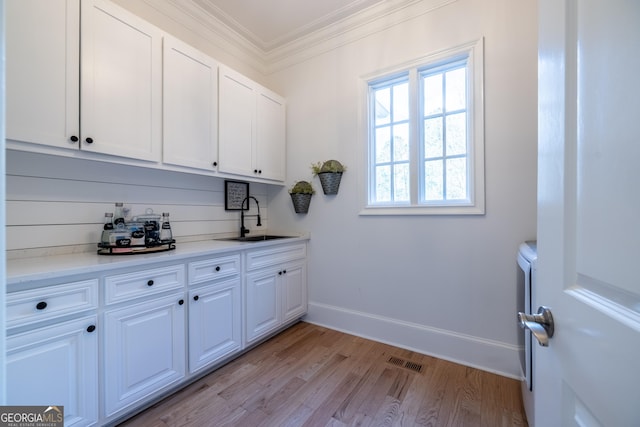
[[313, 376]]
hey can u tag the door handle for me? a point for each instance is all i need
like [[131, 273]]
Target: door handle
[[540, 324]]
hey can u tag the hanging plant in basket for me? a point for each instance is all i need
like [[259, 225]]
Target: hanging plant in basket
[[301, 194], [330, 174]]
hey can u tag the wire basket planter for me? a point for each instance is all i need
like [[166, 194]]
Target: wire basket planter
[[330, 182]]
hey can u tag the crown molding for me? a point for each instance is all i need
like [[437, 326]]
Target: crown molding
[[348, 30], [351, 8], [266, 59], [192, 17]]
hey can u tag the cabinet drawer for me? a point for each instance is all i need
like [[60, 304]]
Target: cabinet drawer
[[275, 255], [213, 269], [26, 307], [124, 287]]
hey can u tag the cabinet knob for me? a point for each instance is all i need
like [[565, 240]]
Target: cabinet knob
[[150, 283], [89, 140], [181, 302], [41, 305], [74, 138], [215, 163], [255, 171], [196, 298], [217, 268], [259, 171], [284, 271], [280, 273], [91, 328]]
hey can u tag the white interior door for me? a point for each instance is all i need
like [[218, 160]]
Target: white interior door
[[589, 213]]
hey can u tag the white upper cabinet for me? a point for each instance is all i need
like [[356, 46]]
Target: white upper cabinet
[[101, 80], [190, 105], [121, 85], [113, 107], [237, 114], [270, 135], [251, 128], [42, 72]]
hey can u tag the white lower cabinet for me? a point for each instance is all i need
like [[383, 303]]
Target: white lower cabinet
[[56, 365], [263, 303], [144, 335], [294, 290], [215, 304], [144, 350], [214, 323], [52, 348], [105, 346], [276, 288]]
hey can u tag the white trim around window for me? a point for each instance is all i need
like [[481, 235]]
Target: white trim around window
[[474, 203]]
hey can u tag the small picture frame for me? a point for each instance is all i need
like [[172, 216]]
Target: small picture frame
[[234, 193]]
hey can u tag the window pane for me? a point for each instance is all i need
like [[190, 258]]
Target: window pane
[[424, 110], [433, 184], [432, 94], [457, 179], [383, 145], [383, 184], [382, 106], [401, 102], [401, 182], [456, 89], [401, 142], [456, 134], [433, 137]]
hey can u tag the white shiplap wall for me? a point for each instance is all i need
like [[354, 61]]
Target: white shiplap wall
[[57, 204]]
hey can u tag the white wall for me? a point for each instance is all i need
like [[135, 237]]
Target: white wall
[[441, 285]]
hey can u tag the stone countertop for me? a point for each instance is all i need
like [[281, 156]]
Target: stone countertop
[[24, 270]]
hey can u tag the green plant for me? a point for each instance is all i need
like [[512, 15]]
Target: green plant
[[328, 166], [302, 187]]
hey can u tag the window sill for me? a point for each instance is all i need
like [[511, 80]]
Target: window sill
[[421, 210]]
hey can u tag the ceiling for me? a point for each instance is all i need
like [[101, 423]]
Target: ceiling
[[271, 24]]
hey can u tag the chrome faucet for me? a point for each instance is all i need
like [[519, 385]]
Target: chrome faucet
[[243, 229]]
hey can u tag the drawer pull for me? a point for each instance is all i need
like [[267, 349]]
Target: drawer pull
[[41, 305], [91, 328], [150, 283], [218, 268]]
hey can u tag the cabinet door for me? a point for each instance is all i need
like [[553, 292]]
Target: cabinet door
[[190, 105], [56, 365], [294, 290], [42, 71], [214, 323], [144, 350], [270, 136], [121, 94], [237, 106], [263, 303]]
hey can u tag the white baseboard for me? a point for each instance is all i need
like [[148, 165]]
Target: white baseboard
[[487, 355]]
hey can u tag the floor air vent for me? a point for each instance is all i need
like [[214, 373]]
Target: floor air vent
[[412, 366]]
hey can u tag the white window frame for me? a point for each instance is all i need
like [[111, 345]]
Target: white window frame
[[475, 205]]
